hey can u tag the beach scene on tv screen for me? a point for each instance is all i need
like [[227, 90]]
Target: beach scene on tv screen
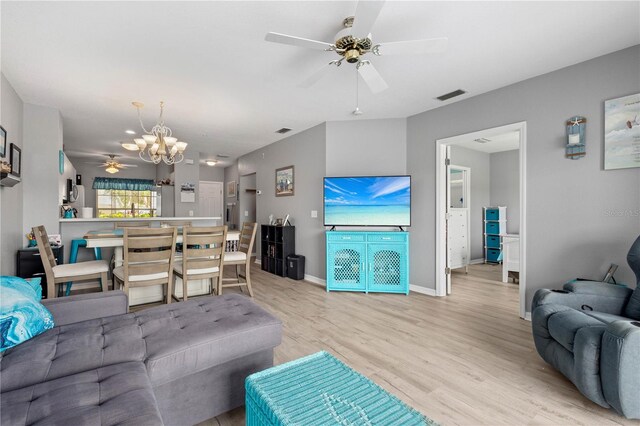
[[374, 201]]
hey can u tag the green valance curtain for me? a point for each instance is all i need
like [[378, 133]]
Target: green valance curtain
[[126, 184]]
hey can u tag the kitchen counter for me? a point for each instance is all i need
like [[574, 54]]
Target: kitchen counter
[[137, 219]]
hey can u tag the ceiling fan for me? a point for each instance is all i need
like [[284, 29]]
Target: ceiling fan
[[112, 165], [354, 42]]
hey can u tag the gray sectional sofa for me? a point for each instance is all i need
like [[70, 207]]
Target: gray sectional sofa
[[176, 364]]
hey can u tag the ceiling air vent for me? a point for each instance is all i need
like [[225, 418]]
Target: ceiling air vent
[[283, 130], [482, 140], [222, 155], [450, 95]]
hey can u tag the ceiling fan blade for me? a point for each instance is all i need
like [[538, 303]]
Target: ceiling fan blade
[[126, 166], [316, 76], [297, 41], [366, 15], [414, 47], [372, 77]]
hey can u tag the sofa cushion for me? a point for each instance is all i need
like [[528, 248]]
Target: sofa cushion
[[72, 349], [115, 395], [564, 325], [188, 337]]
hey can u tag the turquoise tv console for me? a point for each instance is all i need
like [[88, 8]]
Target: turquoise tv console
[[368, 261]]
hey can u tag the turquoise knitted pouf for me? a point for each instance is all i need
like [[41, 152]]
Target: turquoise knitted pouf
[[321, 390]]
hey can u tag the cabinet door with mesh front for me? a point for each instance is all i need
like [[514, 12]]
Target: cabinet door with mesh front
[[388, 268], [345, 267]]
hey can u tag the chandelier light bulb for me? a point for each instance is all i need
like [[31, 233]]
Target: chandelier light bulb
[[150, 138], [141, 143], [170, 141], [154, 149], [174, 150], [162, 146], [181, 146]]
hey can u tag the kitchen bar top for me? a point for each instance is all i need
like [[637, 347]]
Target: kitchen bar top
[[137, 219]]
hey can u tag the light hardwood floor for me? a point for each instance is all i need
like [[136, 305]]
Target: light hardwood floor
[[466, 359]]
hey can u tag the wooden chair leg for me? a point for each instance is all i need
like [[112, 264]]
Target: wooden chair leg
[[169, 290], [184, 288], [104, 281], [247, 277], [220, 285]]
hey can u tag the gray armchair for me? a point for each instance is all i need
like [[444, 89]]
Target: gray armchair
[[590, 332]]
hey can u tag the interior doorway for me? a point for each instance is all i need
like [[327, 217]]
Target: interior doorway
[[248, 201], [210, 200], [481, 221]]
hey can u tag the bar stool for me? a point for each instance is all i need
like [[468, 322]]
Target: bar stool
[[73, 257]]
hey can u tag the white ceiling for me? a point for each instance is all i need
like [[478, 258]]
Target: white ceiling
[[498, 143], [227, 90]]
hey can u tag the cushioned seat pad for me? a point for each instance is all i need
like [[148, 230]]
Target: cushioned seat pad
[[235, 256], [116, 395], [82, 268], [119, 273], [188, 337]]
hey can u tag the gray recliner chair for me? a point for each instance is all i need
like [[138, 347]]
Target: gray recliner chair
[[590, 332]]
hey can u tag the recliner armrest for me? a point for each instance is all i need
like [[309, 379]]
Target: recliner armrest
[[619, 367], [599, 297], [68, 310]]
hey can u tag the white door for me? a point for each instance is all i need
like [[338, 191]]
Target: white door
[[210, 203], [457, 218]]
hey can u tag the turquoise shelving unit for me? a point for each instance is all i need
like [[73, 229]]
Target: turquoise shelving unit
[[368, 261], [495, 226]]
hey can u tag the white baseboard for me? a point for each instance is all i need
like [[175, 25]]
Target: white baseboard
[[422, 290], [315, 280], [258, 261], [476, 261], [527, 316]]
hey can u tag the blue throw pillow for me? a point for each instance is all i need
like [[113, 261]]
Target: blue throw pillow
[[22, 316]]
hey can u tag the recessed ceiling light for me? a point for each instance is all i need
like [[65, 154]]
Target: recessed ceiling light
[[130, 132], [129, 146], [211, 162]]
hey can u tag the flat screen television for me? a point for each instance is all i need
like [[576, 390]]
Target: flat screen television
[[367, 201]]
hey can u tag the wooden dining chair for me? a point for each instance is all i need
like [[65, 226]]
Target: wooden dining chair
[[148, 259], [71, 272], [202, 256], [140, 224], [241, 257]]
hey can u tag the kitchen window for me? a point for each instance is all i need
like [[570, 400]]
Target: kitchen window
[[121, 203]]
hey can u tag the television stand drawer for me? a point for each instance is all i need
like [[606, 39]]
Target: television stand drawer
[[347, 237], [387, 237]]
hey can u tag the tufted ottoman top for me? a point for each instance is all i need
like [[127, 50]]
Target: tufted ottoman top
[[184, 338], [172, 340]]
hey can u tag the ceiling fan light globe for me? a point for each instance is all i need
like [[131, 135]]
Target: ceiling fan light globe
[[170, 141], [111, 169], [150, 139], [352, 56]]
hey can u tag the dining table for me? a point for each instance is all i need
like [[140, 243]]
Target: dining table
[[114, 238]]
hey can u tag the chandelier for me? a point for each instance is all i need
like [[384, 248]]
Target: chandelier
[[158, 144]]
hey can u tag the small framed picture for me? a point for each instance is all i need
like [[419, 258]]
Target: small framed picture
[[16, 160], [279, 222], [231, 189], [3, 142], [284, 181]]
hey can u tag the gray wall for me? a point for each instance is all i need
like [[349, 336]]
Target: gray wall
[[211, 174], [505, 186], [480, 188], [232, 203], [247, 199], [90, 171], [305, 151], [580, 217], [366, 147], [11, 199], [187, 173]]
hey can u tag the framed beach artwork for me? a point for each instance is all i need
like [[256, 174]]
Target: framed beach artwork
[[3, 142], [622, 132], [284, 181], [231, 188]]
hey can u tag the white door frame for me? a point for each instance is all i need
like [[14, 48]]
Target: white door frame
[[441, 195]]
